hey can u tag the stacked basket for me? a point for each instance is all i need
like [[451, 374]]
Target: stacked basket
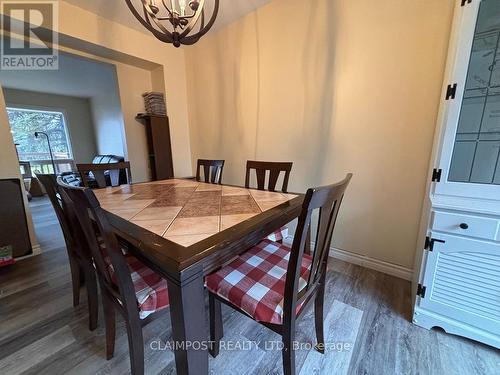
[[154, 103]]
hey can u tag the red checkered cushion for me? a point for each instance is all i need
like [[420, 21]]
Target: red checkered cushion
[[278, 235], [150, 288], [255, 281]]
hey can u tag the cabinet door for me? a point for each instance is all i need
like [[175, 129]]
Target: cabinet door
[[13, 225], [471, 149], [462, 280]]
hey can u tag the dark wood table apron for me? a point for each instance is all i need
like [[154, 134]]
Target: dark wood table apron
[[184, 268]]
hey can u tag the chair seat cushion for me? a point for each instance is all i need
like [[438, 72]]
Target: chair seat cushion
[[150, 288], [255, 281], [278, 235]]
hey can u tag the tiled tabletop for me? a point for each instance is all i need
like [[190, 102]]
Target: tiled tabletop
[[186, 211]]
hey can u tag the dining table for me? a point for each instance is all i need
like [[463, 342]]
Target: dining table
[[184, 230]]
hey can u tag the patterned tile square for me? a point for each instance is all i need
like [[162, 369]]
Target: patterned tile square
[[209, 187], [164, 182], [264, 206], [187, 183], [125, 213], [197, 209], [244, 204], [267, 196], [158, 213], [158, 227], [189, 239], [228, 221], [128, 203], [194, 225], [205, 196], [231, 190], [107, 190], [175, 197], [114, 197]]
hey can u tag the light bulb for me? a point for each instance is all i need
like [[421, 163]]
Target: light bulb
[[182, 7]]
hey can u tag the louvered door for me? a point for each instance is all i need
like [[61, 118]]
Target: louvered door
[[462, 281]]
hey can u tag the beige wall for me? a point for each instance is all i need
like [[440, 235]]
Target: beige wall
[[108, 123], [133, 82], [117, 130], [335, 86], [77, 115]]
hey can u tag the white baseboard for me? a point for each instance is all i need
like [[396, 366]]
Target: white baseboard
[[374, 264], [367, 262], [37, 249]]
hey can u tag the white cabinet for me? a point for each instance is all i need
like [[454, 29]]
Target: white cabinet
[[466, 224], [462, 282], [458, 286]]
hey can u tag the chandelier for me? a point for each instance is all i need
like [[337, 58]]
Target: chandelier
[[175, 21]]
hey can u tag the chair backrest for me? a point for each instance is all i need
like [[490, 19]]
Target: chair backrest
[[274, 168], [212, 170], [99, 172], [25, 167], [325, 201], [49, 182], [94, 224]]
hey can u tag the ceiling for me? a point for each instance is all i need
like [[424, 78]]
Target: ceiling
[[117, 11], [93, 79]]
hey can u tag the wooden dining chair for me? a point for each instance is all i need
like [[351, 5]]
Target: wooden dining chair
[[80, 259], [212, 170], [273, 169], [104, 174], [272, 283], [128, 286]]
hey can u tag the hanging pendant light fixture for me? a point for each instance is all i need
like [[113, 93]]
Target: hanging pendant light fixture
[[175, 21]]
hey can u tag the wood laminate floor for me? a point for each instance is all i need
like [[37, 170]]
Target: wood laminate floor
[[367, 315], [47, 229]]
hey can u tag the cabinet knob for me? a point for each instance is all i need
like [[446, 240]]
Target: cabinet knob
[[464, 226]]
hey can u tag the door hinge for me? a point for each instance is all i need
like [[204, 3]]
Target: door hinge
[[451, 91], [436, 175], [421, 290], [429, 243], [466, 2]]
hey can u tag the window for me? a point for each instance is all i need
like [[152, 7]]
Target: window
[[25, 122]]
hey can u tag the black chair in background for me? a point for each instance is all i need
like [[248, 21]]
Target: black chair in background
[[74, 178], [104, 175], [275, 169], [212, 170], [80, 259]]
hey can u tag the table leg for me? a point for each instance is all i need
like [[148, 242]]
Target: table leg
[[189, 328]]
